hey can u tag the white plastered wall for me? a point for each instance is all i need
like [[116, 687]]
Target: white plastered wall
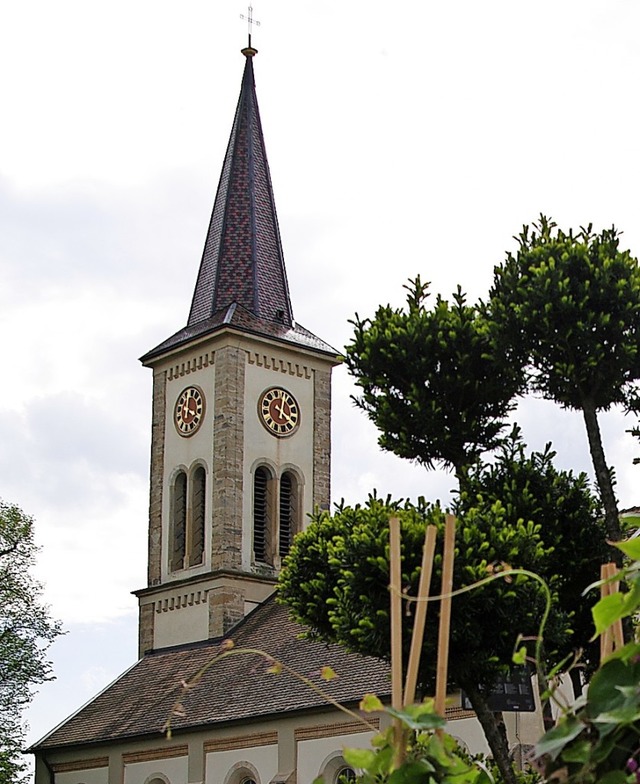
[[315, 754], [91, 776], [184, 624], [175, 770], [468, 732], [263, 758]]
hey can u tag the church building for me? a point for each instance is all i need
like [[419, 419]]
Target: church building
[[240, 455]]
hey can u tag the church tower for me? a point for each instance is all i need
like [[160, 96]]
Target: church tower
[[240, 449]]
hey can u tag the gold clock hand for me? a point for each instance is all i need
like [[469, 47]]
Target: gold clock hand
[[287, 417]]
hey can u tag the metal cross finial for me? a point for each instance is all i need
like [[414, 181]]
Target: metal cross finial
[[250, 22]]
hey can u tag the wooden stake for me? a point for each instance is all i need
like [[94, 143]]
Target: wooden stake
[[396, 633], [445, 614], [612, 638], [605, 638], [420, 615]]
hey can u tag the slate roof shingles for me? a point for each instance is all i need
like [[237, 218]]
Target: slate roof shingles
[[242, 279], [242, 259]]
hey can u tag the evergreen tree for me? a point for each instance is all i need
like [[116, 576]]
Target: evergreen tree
[[431, 379], [569, 306], [521, 511], [26, 629]]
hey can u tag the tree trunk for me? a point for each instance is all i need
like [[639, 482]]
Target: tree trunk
[[603, 475], [493, 732]]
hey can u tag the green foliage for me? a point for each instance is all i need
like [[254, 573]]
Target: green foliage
[[431, 379], [429, 755], [336, 576], [520, 510], [570, 305], [26, 628], [570, 518], [598, 739]]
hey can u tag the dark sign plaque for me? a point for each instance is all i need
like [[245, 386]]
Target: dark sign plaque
[[513, 692]]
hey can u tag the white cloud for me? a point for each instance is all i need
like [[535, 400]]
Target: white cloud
[[404, 140]]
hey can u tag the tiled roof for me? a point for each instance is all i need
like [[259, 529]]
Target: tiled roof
[[237, 317], [233, 690], [242, 260]]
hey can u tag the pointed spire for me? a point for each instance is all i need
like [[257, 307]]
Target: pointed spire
[[242, 281], [242, 262]]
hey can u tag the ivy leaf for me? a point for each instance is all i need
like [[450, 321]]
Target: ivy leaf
[[602, 750], [412, 773], [577, 752], [381, 739], [615, 606], [607, 611], [371, 703], [613, 777], [631, 548], [364, 759], [628, 653], [328, 673], [554, 741], [438, 748], [605, 695], [625, 715], [418, 717]]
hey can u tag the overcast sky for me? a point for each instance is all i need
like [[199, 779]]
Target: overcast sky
[[404, 138]]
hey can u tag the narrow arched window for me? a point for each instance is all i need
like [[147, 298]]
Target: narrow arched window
[[345, 775], [288, 509], [262, 516], [178, 521], [198, 495]]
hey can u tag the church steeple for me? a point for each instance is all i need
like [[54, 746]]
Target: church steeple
[[242, 261], [241, 433]]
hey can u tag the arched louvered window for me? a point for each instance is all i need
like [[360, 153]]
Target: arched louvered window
[[288, 509], [178, 521], [262, 516], [196, 532]]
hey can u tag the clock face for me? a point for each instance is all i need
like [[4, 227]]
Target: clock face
[[279, 411], [189, 411]]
